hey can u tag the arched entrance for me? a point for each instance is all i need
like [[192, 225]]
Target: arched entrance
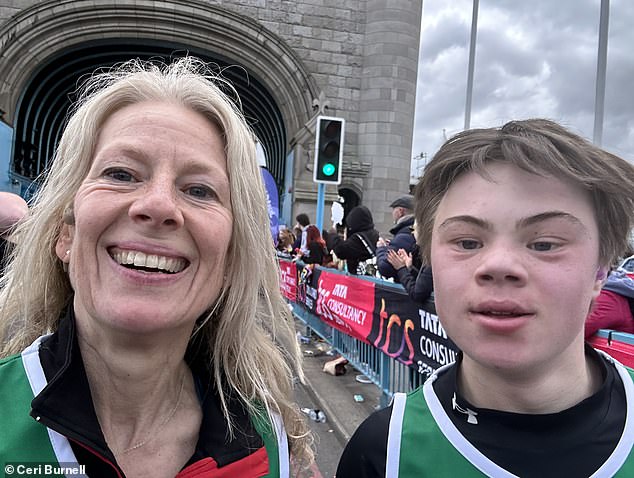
[[59, 42], [42, 109]]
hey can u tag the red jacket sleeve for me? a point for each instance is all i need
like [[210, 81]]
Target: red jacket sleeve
[[609, 311]]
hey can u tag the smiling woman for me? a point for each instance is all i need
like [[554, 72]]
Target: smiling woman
[[169, 354]]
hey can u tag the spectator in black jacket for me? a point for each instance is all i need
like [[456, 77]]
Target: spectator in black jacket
[[403, 237], [417, 282], [360, 239]]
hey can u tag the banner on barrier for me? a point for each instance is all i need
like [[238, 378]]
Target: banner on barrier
[[375, 314], [346, 303], [408, 333], [288, 280], [386, 318]]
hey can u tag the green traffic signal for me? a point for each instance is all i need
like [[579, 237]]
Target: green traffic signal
[[328, 169], [328, 149]]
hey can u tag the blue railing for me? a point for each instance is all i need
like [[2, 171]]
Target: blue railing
[[385, 372], [614, 335]]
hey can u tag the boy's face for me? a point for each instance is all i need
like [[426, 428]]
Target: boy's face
[[515, 268]]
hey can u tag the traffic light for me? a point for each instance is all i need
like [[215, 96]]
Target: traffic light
[[328, 150]]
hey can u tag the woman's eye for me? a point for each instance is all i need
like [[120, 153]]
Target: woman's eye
[[119, 175], [469, 244], [200, 192]]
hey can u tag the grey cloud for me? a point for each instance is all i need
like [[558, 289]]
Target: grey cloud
[[533, 58]]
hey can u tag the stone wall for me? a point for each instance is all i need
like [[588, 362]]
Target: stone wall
[[360, 54]]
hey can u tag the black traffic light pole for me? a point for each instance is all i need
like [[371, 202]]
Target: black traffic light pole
[[328, 158]]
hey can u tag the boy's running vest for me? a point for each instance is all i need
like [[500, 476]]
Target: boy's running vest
[[424, 443]]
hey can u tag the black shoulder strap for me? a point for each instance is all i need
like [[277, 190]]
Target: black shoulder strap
[[365, 243]]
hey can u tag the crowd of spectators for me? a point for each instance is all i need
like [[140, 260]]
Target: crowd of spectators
[[359, 249]]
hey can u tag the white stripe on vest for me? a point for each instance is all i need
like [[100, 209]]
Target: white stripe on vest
[[392, 461], [37, 380]]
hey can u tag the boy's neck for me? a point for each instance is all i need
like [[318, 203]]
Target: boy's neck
[[548, 389]]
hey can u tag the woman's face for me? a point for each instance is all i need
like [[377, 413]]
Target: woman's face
[[153, 222]]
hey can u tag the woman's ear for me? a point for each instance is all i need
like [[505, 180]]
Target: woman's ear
[[64, 243]]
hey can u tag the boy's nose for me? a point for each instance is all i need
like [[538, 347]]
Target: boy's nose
[[501, 264]]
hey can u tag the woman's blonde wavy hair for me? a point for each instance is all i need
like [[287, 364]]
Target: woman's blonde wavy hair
[[253, 350]]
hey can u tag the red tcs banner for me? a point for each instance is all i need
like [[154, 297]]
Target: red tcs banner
[[288, 280], [346, 303]]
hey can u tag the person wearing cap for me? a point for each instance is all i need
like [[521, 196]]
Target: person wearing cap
[[12, 209], [402, 237]]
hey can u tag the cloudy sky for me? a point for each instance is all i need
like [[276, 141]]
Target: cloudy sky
[[533, 58]]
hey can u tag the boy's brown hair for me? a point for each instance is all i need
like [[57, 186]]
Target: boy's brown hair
[[541, 147]]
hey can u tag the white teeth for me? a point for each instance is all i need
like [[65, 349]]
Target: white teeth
[[140, 259], [151, 261]]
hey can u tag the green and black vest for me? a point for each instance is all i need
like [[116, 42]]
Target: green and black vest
[[420, 433], [23, 439]]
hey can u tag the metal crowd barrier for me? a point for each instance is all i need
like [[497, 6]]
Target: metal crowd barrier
[[385, 372]]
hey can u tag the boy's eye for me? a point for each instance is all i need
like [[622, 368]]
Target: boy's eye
[[542, 246], [119, 175], [469, 244]]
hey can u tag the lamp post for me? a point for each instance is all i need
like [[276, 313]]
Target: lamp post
[[420, 157]]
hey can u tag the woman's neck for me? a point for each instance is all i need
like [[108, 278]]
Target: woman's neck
[[137, 386]]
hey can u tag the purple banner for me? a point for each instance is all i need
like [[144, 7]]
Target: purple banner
[[272, 202]]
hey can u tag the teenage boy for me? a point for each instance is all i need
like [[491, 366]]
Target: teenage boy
[[520, 224]]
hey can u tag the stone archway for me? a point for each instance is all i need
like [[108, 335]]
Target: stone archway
[[358, 59], [50, 31]]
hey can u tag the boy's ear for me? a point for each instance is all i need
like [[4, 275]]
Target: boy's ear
[[602, 275], [64, 242]]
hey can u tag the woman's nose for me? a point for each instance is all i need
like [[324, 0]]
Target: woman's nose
[[157, 205]]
